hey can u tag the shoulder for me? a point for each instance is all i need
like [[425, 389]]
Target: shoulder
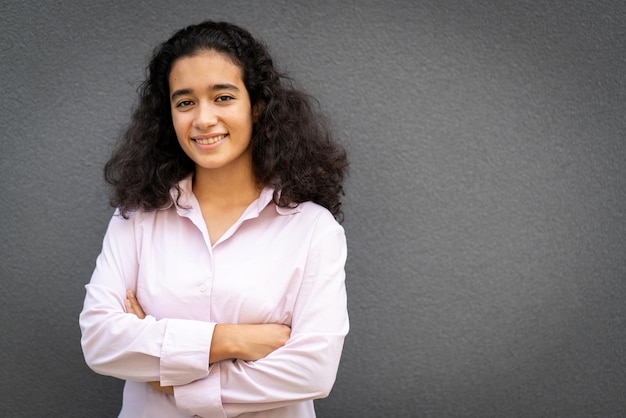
[[319, 219], [138, 218], [307, 211]]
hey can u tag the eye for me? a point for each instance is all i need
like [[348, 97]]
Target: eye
[[184, 103], [222, 99]]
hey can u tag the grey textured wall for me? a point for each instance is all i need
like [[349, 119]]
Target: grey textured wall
[[486, 208]]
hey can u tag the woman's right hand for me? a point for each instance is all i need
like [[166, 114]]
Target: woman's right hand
[[248, 342]]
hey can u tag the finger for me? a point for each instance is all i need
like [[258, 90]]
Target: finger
[[129, 307], [134, 304]]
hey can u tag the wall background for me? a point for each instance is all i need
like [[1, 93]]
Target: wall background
[[486, 207]]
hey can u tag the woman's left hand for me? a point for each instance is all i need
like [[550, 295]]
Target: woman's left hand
[[133, 307]]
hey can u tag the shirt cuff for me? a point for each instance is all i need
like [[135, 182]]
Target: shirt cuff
[[202, 397], [185, 351]]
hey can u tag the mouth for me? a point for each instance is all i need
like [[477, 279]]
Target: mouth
[[211, 140]]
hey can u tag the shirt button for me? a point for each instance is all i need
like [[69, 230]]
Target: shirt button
[[202, 288]]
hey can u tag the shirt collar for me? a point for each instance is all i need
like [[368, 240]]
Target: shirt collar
[[187, 200]]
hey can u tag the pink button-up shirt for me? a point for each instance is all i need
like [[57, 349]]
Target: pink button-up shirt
[[274, 265]]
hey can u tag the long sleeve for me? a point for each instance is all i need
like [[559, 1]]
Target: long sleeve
[[274, 265], [174, 351], [305, 368]]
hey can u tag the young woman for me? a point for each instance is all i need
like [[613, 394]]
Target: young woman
[[220, 287]]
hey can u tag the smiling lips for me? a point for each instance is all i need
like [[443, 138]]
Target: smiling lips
[[211, 140]]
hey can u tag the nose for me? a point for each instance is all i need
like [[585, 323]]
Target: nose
[[206, 116]]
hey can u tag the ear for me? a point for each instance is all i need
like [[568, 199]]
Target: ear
[[256, 111]]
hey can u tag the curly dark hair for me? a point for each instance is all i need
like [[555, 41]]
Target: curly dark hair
[[292, 147]]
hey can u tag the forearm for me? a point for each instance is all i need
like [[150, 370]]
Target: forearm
[[305, 368], [173, 351], [248, 342], [229, 341], [223, 344]]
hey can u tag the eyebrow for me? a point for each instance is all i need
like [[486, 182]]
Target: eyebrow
[[214, 87]]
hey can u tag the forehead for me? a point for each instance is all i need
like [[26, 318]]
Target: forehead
[[204, 67]]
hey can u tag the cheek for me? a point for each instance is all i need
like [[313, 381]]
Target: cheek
[[179, 124], [245, 122]]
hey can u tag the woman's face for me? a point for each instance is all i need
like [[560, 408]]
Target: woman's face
[[211, 111]]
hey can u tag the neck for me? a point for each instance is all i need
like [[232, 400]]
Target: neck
[[225, 188]]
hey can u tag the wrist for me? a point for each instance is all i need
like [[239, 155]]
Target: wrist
[[225, 343]]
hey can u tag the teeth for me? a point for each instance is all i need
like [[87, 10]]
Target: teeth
[[209, 141]]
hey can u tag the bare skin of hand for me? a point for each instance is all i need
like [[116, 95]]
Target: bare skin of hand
[[132, 305]]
